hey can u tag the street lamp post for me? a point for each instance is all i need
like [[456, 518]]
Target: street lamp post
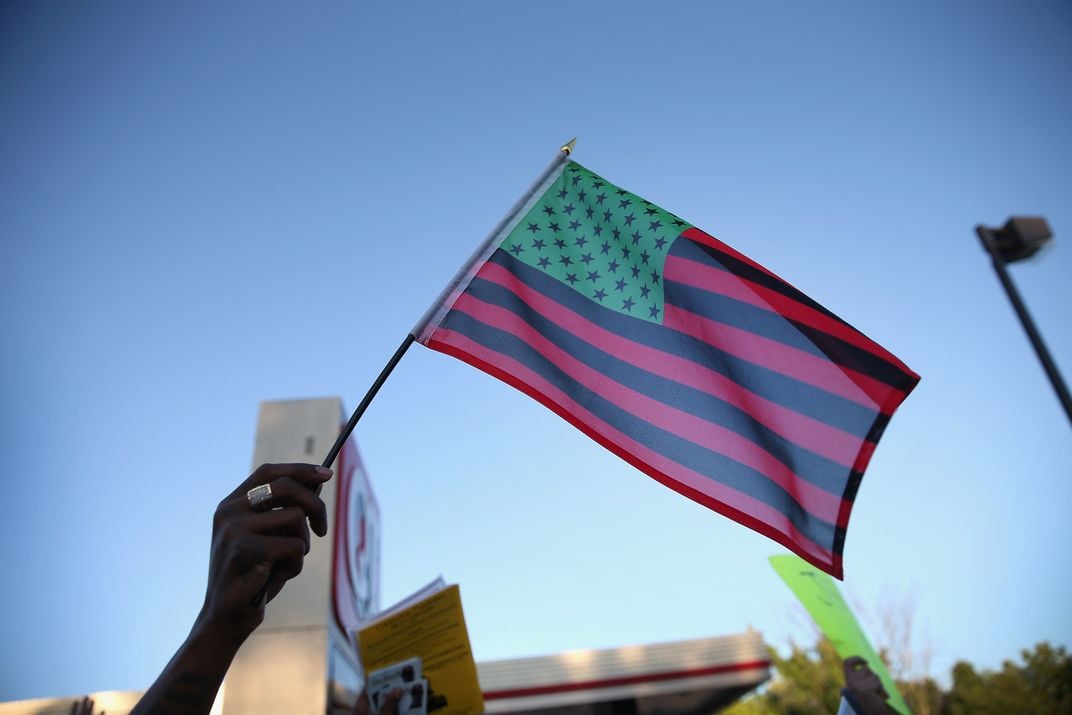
[[1021, 238]]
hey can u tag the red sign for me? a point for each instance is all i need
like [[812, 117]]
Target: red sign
[[357, 543]]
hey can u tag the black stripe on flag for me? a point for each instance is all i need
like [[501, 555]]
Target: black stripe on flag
[[771, 324], [740, 268]]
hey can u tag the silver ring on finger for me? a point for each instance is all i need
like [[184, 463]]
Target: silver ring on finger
[[260, 498]]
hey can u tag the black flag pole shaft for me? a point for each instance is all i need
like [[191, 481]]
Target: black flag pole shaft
[[363, 405]]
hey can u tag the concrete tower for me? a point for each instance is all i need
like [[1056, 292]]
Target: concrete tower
[[302, 660]]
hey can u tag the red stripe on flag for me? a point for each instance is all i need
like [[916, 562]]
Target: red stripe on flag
[[866, 450], [705, 238], [773, 355], [814, 500], [714, 495], [807, 432], [705, 277]]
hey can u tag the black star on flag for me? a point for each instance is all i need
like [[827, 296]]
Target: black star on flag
[[578, 194]]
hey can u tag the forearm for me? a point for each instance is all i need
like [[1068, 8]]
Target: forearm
[[257, 545], [190, 681]]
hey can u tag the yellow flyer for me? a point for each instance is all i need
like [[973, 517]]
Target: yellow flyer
[[422, 646]]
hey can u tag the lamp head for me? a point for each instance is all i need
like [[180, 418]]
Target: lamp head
[[1021, 237]]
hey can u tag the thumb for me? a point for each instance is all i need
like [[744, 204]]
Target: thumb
[[390, 703]]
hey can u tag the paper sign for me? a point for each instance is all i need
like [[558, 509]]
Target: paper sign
[[424, 640], [820, 595]]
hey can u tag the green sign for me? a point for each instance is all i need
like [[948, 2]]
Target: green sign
[[820, 595]]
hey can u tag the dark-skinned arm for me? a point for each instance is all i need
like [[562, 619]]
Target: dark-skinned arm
[[865, 688], [253, 552]]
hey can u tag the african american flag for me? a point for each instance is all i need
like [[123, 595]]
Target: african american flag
[[688, 360]]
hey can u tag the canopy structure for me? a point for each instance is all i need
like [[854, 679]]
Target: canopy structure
[[694, 676]]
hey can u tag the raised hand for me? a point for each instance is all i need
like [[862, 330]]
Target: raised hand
[[256, 548], [260, 535]]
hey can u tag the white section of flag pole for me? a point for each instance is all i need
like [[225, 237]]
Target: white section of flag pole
[[459, 283], [434, 315]]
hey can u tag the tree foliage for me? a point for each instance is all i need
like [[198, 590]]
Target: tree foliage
[[809, 680], [1041, 684]]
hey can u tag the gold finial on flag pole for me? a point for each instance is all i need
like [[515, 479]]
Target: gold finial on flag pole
[[567, 148]]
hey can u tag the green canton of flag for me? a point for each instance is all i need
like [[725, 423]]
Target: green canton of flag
[[602, 241]]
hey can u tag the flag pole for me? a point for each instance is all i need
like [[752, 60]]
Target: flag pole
[[461, 279], [562, 156], [363, 405], [441, 302]]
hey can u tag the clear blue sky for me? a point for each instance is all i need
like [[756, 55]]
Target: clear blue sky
[[203, 206]]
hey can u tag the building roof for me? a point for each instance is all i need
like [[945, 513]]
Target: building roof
[[693, 676], [681, 677]]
